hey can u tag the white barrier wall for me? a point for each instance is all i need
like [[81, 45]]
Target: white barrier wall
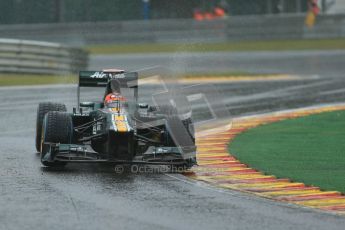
[[23, 56]]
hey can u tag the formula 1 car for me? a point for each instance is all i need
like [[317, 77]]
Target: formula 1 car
[[116, 130]]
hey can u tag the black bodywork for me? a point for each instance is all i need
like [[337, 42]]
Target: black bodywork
[[126, 132]]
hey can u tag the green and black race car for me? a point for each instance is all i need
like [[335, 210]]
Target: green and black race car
[[116, 129]]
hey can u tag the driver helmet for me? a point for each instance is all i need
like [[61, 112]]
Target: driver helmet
[[113, 97]]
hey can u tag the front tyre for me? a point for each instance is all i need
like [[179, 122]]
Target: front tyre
[[57, 128], [42, 110]]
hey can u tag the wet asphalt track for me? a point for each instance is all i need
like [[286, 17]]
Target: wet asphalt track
[[95, 197]]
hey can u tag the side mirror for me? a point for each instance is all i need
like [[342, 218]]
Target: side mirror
[[143, 106], [87, 104]]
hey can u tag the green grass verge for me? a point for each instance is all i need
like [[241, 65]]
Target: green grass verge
[[24, 79], [274, 45], [308, 149]]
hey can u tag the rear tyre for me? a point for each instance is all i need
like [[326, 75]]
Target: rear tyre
[[42, 110], [57, 128]]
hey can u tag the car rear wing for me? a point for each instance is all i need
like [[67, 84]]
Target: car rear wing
[[101, 79]]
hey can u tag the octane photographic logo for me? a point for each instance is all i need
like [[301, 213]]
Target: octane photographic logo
[[146, 169]]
